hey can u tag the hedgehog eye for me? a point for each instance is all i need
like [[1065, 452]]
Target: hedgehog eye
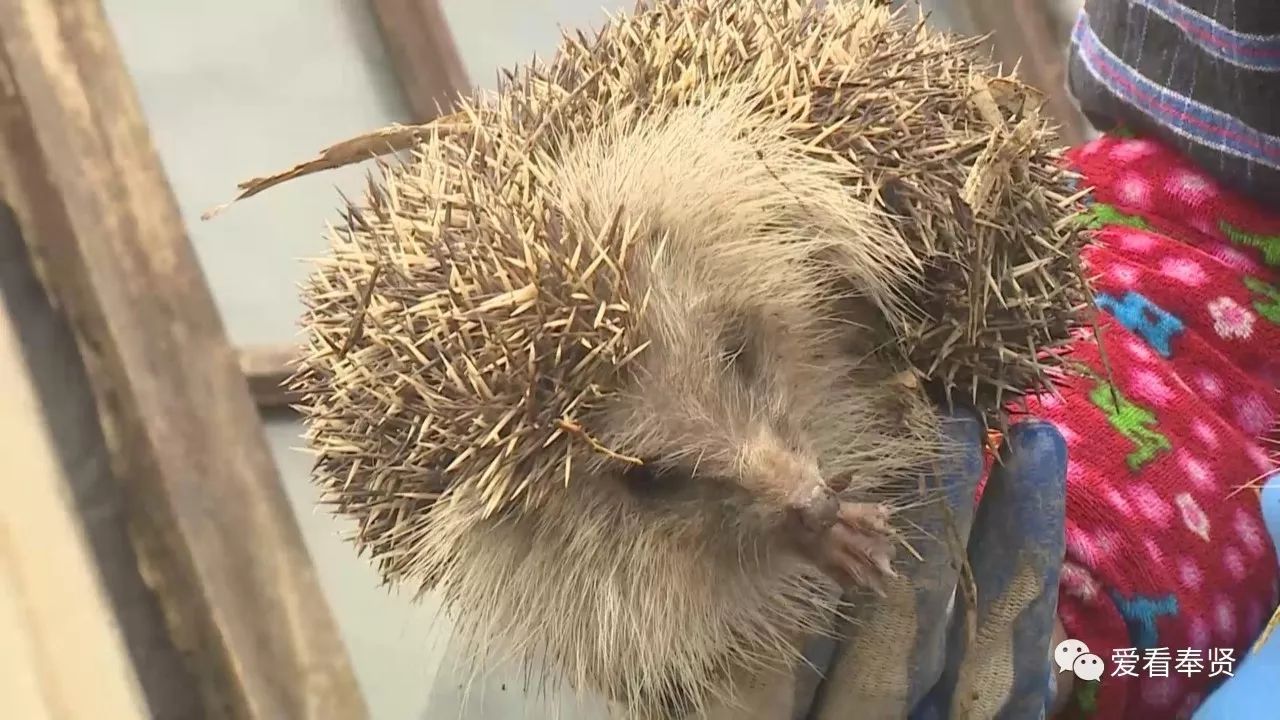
[[738, 348], [653, 480]]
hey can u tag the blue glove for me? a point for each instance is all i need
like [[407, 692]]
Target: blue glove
[[950, 642], [1251, 692]]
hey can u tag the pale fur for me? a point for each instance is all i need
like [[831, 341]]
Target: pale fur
[[668, 605]]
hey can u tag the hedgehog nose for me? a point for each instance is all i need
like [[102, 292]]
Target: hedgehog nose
[[816, 509]]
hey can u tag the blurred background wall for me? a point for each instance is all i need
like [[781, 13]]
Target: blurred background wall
[[237, 88]]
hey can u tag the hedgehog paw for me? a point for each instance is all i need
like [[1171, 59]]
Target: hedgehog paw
[[857, 551]]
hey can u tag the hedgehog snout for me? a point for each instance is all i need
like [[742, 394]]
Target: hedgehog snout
[[790, 483]]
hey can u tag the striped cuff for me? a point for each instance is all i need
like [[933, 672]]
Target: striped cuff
[[1202, 76]]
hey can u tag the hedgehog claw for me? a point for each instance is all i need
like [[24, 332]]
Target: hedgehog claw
[[858, 550]]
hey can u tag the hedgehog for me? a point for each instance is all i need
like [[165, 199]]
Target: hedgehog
[[634, 361]]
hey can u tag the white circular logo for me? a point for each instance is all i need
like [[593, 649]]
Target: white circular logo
[[1067, 652], [1074, 657], [1088, 667]]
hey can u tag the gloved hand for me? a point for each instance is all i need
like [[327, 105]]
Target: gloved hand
[[1250, 693], [927, 650]]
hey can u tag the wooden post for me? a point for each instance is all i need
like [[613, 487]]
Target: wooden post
[[60, 452], [422, 50], [62, 652], [215, 537]]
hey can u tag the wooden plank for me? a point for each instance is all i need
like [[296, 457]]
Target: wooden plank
[[417, 37], [63, 400], [62, 654], [212, 527]]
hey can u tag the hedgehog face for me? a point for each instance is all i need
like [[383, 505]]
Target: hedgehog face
[[722, 409]]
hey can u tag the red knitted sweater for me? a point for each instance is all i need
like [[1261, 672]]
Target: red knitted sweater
[[1166, 547]]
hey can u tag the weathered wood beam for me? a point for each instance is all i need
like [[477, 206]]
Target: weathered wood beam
[[417, 37], [213, 531], [62, 653], [62, 410]]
